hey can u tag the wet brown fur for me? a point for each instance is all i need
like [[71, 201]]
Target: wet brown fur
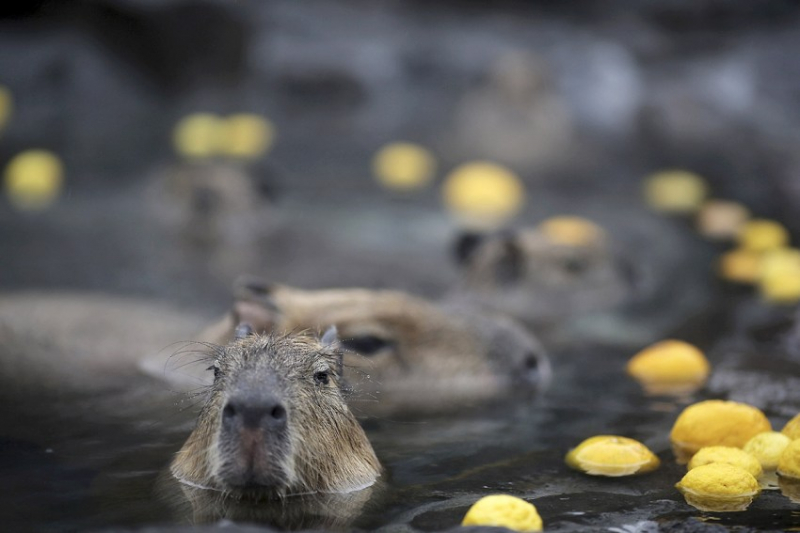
[[433, 359], [327, 449]]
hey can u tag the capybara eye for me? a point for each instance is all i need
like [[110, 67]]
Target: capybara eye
[[258, 288], [321, 378], [366, 345], [575, 266], [215, 368]]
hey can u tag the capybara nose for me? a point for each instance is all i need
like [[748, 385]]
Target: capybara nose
[[267, 413], [534, 369], [205, 201], [629, 273], [530, 367]]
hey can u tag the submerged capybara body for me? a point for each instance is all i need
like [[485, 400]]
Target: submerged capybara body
[[403, 353], [276, 423], [82, 342]]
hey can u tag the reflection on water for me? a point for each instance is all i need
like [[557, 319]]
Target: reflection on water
[[790, 488], [78, 462], [196, 506], [67, 469]]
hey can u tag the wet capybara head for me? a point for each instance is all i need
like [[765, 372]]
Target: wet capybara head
[[539, 279], [276, 422], [211, 203], [402, 353]]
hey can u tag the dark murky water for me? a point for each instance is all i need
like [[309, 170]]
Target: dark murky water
[[67, 465], [69, 472]]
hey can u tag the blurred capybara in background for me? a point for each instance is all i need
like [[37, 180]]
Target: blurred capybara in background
[[403, 353], [571, 280], [536, 279]]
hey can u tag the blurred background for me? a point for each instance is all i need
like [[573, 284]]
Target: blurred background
[[162, 148], [172, 145]]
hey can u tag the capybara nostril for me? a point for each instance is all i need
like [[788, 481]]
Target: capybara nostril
[[228, 413], [253, 415], [270, 429], [278, 414], [534, 369]]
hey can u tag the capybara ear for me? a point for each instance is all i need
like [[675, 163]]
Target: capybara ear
[[253, 304], [260, 318], [330, 339], [465, 246], [253, 288], [510, 266], [243, 330]]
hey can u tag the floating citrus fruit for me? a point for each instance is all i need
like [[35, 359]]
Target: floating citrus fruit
[[246, 135], [792, 428], [483, 194], [728, 455], [572, 231], [612, 456], [675, 191], [33, 180], [669, 366], [403, 166], [199, 135], [501, 510], [715, 423], [721, 219], [719, 487], [760, 235]]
